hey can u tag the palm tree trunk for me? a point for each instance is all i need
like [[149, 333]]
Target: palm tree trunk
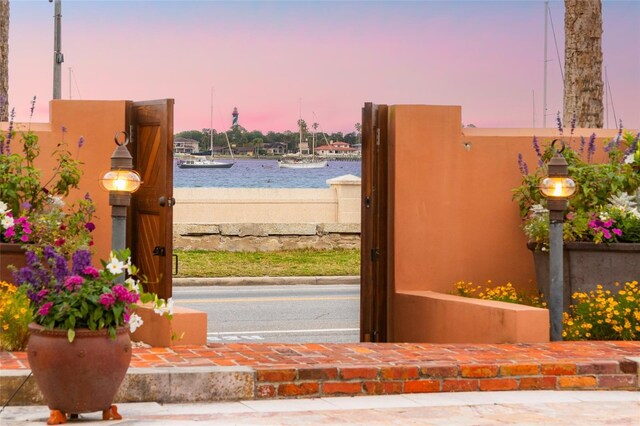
[[583, 86], [4, 60]]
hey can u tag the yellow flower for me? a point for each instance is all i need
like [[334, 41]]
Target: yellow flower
[[5, 327]]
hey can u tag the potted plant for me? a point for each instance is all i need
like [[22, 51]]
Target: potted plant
[[602, 220], [79, 348]]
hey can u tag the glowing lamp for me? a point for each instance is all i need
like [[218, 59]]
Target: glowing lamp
[[557, 187], [121, 181]]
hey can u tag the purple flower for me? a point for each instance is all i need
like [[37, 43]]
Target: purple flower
[[81, 142], [559, 121], [89, 226], [91, 272], [81, 259], [33, 106], [573, 123], [44, 309], [536, 146], [7, 141], [524, 169], [87, 196], [583, 141], [60, 269], [64, 129], [26, 205], [592, 147], [49, 253], [73, 282], [107, 300]]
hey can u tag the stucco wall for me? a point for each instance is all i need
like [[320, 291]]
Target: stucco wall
[[97, 121], [453, 216]]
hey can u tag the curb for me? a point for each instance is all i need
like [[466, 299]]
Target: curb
[[248, 281]]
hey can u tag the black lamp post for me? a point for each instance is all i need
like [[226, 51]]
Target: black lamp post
[[121, 181], [557, 187]]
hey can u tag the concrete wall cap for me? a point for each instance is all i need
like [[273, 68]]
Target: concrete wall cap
[[345, 180]]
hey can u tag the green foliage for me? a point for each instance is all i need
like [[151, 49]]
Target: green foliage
[[201, 263], [596, 184]]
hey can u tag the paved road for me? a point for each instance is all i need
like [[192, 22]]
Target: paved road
[[287, 314]]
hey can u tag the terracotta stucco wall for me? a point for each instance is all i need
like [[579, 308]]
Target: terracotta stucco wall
[[453, 215], [97, 122]]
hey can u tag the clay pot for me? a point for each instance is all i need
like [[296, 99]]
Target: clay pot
[[10, 254], [82, 376]]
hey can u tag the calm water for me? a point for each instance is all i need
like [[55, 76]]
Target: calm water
[[262, 174]]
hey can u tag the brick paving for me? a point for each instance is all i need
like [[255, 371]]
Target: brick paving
[[304, 370]]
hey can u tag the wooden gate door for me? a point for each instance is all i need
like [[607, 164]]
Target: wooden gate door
[[151, 132], [376, 254]]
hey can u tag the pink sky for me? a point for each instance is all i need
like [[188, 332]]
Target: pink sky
[[268, 58]]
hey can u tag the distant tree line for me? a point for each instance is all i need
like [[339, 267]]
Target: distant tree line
[[239, 136]]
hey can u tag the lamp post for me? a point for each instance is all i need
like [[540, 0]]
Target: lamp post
[[121, 181], [556, 187]]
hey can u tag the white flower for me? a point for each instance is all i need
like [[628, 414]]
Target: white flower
[[56, 202], [128, 264], [623, 200], [134, 322], [629, 158], [132, 285], [7, 222], [115, 266], [537, 209], [3, 207], [163, 307]]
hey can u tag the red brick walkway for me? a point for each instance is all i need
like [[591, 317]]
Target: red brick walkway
[[286, 370]]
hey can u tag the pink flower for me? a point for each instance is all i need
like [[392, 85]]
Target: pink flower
[[617, 231], [606, 233], [91, 271], [10, 232], [73, 282], [44, 309], [608, 223], [107, 300], [123, 294], [24, 238]]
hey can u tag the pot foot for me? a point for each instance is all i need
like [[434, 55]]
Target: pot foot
[[111, 413], [57, 417]]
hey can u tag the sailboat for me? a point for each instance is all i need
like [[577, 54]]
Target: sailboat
[[299, 161], [209, 163]]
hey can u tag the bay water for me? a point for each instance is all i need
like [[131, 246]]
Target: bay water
[[263, 174]]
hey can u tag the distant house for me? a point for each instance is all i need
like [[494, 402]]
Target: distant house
[[337, 149], [184, 146], [275, 148], [245, 150]]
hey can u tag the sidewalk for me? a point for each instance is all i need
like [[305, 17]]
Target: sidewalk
[[580, 408], [233, 371]]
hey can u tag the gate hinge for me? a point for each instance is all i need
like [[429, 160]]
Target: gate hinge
[[375, 254], [133, 133], [378, 136]]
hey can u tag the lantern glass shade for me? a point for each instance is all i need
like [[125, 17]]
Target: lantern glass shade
[[558, 187], [121, 181]]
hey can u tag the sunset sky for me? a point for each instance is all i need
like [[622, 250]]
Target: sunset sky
[[270, 59]]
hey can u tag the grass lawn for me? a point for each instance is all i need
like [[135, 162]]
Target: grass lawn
[[202, 263]]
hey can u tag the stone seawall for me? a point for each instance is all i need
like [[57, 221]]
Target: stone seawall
[[265, 236]]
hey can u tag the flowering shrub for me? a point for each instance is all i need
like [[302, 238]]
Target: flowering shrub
[[605, 205], [15, 316], [33, 211], [603, 315], [500, 293], [83, 296]]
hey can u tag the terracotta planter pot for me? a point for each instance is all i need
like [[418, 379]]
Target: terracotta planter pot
[[82, 376], [588, 264], [10, 254]]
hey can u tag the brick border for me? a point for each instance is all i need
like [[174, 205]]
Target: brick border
[[385, 380]]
